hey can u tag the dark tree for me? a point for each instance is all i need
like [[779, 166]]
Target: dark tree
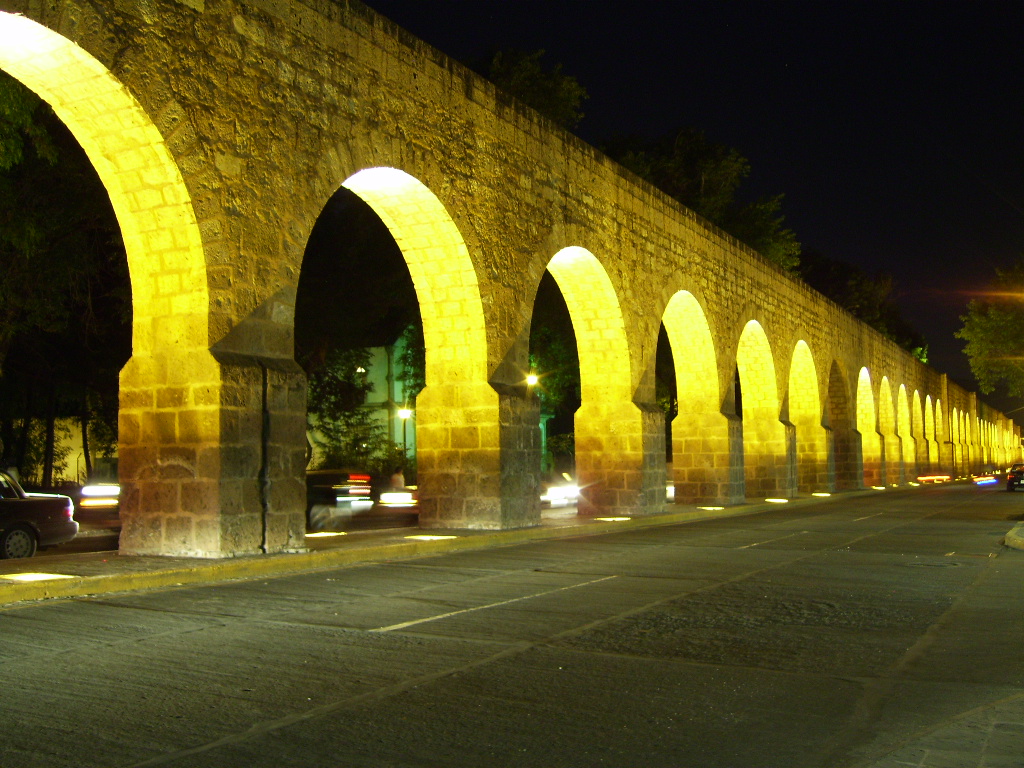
[[551, 92], [994, 331], [706, 177], [868, 298]]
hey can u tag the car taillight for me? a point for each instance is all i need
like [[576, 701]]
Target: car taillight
[[69, 510]]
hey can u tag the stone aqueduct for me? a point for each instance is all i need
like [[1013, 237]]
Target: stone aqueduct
[[221, 128]]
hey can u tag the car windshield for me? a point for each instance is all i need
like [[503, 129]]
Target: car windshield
[[6, 489]]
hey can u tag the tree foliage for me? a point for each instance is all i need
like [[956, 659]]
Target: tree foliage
[[65, 300], [551, 92], [869, 298], [994, 331], [706, 177], [343, 429]]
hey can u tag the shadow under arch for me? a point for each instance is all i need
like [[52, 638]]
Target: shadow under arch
[[805, 414], [612, 433], [904, 430], [918, 432], [768, 466], [170, 388], [867, 425], [703, 438], [891, 449], [930, 436], [457, 413], [846, 463]]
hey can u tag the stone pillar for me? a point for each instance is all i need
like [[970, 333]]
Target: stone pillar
[[872, 458], [707, 458], [769, 457], [922, 450], [519, 412], [458, 456], [618, 465], [815, 460], [211, 456]]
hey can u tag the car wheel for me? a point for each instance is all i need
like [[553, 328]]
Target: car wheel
[[19, 541], [1010, 487]]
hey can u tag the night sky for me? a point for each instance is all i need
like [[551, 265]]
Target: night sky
[[893, 128]]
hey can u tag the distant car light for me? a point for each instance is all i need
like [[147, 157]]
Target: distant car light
[[561, 495], [985, 480], [397, 499], [102, 489], [100, 496]]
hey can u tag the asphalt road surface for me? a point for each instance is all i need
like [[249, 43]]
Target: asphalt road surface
[[825, 636]]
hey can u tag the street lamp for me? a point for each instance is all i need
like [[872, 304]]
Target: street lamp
[[404, 414]]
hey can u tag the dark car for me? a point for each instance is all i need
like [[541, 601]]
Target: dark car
[[32, 520], [1014, 475], [335, 496]]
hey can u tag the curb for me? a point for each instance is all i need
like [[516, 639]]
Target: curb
[[176, 572], [103, 573], [1015, 538]]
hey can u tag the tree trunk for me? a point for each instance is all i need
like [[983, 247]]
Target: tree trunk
[[21, 450], [48, 448], [85, 437]]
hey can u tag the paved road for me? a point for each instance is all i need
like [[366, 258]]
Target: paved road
[[877, 632]]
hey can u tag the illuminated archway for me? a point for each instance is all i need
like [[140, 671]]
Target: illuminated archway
[[929, 434], [703, 443], [942, 440], [917, 431], [457, 421], [805, 415], [170, 388], [954, 439], [149, 197], [867, 425], [610, 430], [887, 429], [768, 467], [904, 430], [846, 449]]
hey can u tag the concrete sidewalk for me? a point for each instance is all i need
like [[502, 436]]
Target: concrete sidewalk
[[77, 575]]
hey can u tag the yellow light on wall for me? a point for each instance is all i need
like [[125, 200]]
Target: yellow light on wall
[[532, 380]]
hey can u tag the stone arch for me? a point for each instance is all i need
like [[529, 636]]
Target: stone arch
[[806, 416], [153, 207], [930, 436], [457, 420], [887, 429], [867, 425], [703, 437], [846, 448], [918, 431], [904, 429], [943, 446], [767, 460], [170, 425], [611, 432], [954, 439]]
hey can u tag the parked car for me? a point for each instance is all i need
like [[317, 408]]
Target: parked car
[[1014, 475], [334, 496], [29, 521]]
